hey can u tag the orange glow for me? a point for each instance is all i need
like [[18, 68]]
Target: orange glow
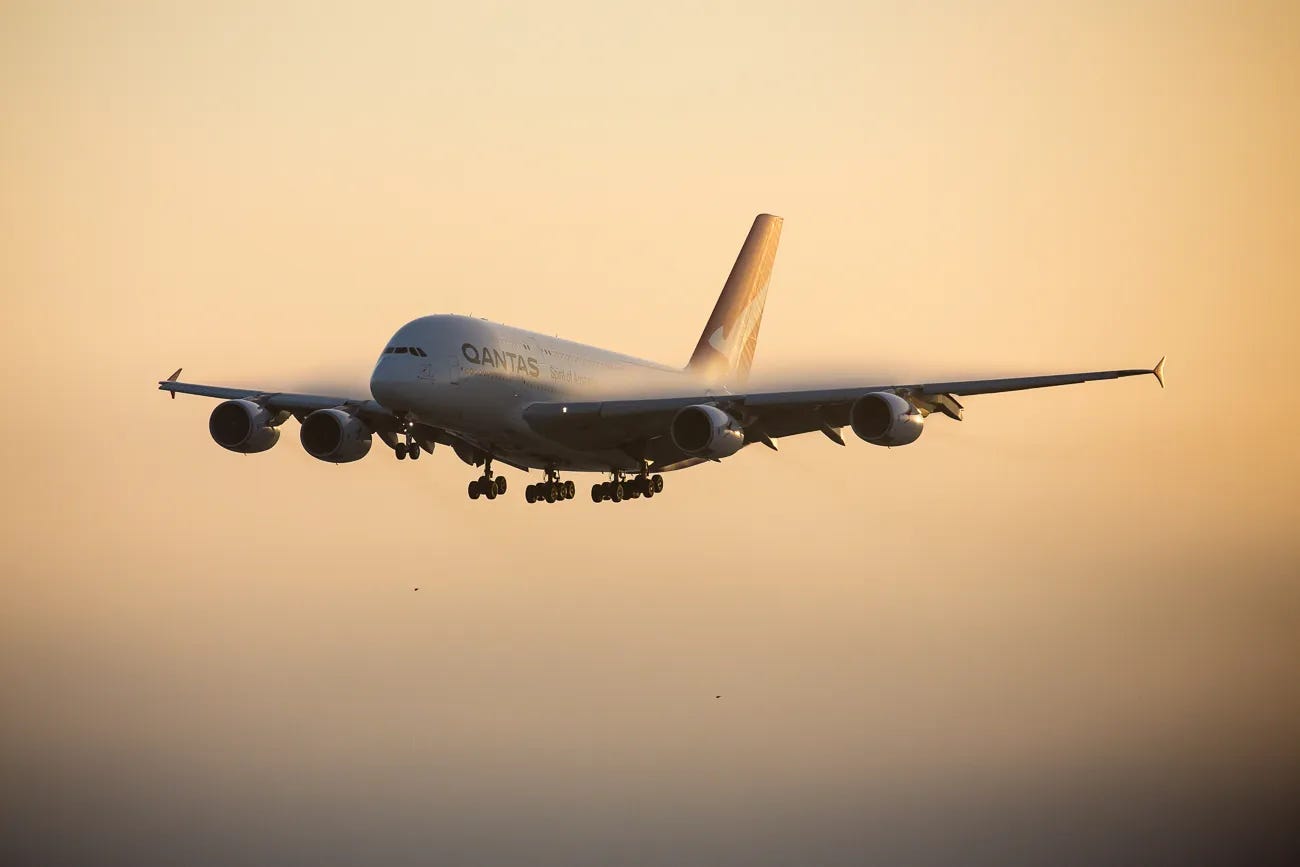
[[1093, 579]]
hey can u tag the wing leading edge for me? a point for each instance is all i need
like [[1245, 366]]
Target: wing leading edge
[[299, 405], [381, 420]]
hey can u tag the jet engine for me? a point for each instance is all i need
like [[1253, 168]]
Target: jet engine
[[335, 436], [885, 419], [706, 431], [245, 427]]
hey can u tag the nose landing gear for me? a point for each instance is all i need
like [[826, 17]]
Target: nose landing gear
[[407, 447]]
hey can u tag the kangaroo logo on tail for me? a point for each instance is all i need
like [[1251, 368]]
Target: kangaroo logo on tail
[[725, 351]]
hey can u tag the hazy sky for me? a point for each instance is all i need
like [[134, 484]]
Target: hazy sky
[[1065, 628]]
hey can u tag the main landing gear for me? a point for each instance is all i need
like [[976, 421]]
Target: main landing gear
[[486, 485], [620, 489], [550, 490]]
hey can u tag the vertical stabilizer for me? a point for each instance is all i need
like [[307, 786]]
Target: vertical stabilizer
[[725, 351]]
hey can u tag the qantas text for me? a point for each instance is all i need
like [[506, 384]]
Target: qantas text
[[511, 361]]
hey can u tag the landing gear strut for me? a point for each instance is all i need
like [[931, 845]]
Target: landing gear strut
[[619, 488], [550, 490], [408, 447], [487, 485]]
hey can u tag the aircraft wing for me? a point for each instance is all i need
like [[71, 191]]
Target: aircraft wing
[[636, 424], [300, 405]]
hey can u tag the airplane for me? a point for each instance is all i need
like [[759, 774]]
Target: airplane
[[497, 394]]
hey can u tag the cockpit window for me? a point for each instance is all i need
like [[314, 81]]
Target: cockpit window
[[420, 352], [401, 350]]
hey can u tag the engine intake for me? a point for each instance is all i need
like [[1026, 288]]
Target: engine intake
[[335, 436], [245, 427], [885, 419], [706, 431]]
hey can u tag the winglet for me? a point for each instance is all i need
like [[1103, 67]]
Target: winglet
[[173, 378], [1159, 371]]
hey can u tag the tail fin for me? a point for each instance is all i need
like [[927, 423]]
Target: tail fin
[[725, 351]]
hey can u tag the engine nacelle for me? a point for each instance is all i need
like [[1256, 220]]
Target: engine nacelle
[[706, 431], [243, 426], [885, 419], [335, 436]]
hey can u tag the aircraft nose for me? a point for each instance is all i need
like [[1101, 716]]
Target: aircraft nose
[[385, 383]]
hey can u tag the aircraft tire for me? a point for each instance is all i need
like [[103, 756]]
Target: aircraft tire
[[570, 490], [414, 451], [501, 484], [657, 482], [617, 494], [530, 494], [596, 493], [490, 490], [473, 490]]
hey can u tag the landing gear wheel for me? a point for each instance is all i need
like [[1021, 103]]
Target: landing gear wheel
[[501, 484], [570, 490], [400, 451], [551, 493], [473, 490], [596, 493], [657, 482], [617, 494], [530, 494], [414, 451], [489, 489]]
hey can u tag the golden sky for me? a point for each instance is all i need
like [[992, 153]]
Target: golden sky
[[1070, 594]]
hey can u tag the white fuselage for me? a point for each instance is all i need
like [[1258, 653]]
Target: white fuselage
[[474, 378]]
